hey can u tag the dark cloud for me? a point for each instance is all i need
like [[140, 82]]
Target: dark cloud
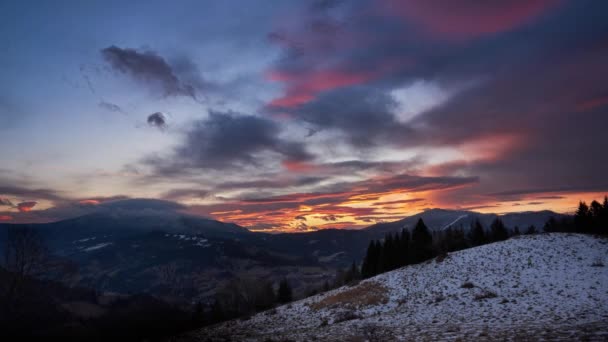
[[227, 140], [148, 68], [405, 201], [270, 183], [521, 88], [365, 114], [181, 194], [6, 202], [157, 120], [26, 206], [110, 107], [38, 194]]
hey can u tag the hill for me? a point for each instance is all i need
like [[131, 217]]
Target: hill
[[550, 286], [149, 246]]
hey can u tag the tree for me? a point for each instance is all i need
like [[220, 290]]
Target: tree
[[456, 239], [531, 230], [551, 226], [370, 262], [422, 243], [477, 235], [264, 296], [284, 294], [25, 255], [516, 231], [498, 231], [595, 213], [604, 217], [352, 274], [581, 217], [404, 244]]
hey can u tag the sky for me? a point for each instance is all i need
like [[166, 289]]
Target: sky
[[284, 115]]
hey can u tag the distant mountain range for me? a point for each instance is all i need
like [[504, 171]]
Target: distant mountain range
[[147, 246]]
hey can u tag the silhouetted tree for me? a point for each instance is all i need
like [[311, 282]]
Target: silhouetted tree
[[456, 239], [372, 261], [421, 248], [477, 235], [404, 243], [595, 214], [25, 255], [531, 230], [516, 231], [498, 231], [284, 294], [582, 218], [552, 226]]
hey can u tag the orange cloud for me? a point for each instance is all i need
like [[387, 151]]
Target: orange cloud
[[5, 218]]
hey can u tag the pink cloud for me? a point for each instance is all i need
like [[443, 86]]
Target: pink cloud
[[466, 19], [26, 206], [303, 87]]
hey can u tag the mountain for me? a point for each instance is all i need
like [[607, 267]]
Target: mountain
[[440, 219], [548, 286], [150, 246]]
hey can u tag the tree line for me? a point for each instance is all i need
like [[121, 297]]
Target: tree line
[[402, 248], [588, 219], [242, 297]]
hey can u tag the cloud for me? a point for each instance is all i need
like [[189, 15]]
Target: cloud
[[148, 68], [331, 204], [157, 120], [26, 206], [226, 140], [185, 194], [365, 115], [6, 202], [111, 107], [24, 192], [467, 19]]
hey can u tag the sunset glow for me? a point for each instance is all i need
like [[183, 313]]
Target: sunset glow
[[298, 116]]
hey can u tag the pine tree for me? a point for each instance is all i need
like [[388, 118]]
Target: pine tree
[[595, 214], [375, 250], [516, 231], [284, 294], [551, 226], [581, 218], [498, 230], [604, 217], [422, 243], [368, 267], [404, 244], [531, 230], [477, 235]]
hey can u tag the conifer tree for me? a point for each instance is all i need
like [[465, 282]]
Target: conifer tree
[[581, 218], [516, 231], [531, 230], [422, 240], [498, 230], [284, 294], [477, 235], [404, 244]]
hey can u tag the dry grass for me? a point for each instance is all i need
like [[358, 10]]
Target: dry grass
[[366, 294]]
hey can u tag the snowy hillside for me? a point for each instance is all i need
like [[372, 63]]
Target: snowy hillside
[[553, 286]]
